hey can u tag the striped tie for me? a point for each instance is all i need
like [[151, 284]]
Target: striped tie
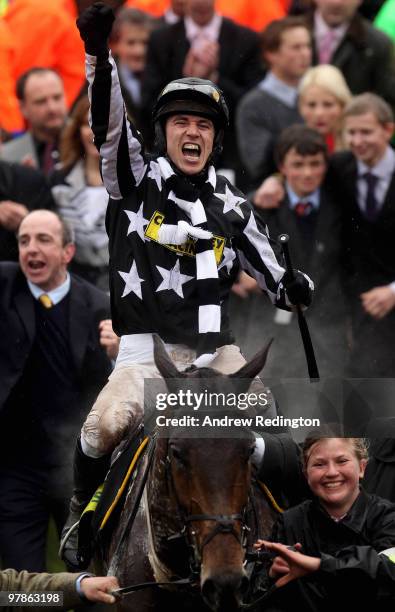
[[45, 300]]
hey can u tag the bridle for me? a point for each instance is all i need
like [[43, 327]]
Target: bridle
[[223, 524]]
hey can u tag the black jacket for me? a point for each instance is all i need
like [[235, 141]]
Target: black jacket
[[88, 306], [365, 56], [353, 574]]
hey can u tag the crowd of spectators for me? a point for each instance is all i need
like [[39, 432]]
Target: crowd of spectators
[[311, 91]]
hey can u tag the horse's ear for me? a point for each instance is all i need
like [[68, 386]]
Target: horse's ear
[[162, 360], [255, 365]]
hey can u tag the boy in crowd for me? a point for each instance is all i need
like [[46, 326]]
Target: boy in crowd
[[129, 42], [311, 215]]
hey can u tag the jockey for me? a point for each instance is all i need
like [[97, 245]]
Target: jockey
[[178, 235]]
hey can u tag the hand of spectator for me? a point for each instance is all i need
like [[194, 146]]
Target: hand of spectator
[[98, 588], [279, 566], [269, 194], [245, 285], [95, 25], [198, 64], [28, 161], [108, 338], [11, 214], [208, 54], [299, 564], [378, 301]]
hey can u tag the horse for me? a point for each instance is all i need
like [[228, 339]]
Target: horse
[[198, 514]]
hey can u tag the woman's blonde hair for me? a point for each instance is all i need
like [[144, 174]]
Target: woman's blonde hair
[[359, 445], [71, 148], [330, 78]]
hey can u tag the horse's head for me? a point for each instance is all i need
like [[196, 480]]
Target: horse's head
[[210, 478]]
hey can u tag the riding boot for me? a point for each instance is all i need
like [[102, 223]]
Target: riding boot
[[89, 473]]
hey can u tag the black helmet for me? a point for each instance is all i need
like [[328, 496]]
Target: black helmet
[[194, 97]]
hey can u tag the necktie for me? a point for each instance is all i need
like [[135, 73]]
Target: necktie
[[302, 209], [45, 300], [48, 161], [370, 202], [326, 47]]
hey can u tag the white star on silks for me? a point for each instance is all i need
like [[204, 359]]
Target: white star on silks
[[132, 281], [137, 222], [155, 174], [173, 279], [231, 201], [229, 257]]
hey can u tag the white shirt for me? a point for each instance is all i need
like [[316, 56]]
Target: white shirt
[[56, 294], [197, 34], [287, 94]]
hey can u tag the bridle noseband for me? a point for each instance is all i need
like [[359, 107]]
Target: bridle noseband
[[224, 524]]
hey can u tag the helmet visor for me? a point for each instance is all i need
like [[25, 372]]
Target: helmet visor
[[188, 107]]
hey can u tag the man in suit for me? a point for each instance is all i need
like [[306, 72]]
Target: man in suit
[[364, 54], [271, 106], [366, 177], [311, 214], [41, 97], [55, 350], [205, 45]]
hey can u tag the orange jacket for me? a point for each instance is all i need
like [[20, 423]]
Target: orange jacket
[[45, 34], [10, 116], [71, 8], [255, 14]]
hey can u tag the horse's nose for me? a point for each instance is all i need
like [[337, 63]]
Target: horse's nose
[[223, 592]]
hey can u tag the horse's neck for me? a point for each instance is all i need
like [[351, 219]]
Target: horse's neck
[[162, 519]]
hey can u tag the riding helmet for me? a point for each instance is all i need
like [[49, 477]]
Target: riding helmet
[[192, 96]]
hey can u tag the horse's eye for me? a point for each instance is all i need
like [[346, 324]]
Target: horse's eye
[[250, 451], [177, 455]]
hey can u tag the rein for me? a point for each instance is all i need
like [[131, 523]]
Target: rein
[[129, 523]]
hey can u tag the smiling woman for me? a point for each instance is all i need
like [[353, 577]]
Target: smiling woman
[[333, 468], [344, 533]]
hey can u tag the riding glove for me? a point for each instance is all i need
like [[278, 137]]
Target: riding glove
[[298, 288], [95, 25]]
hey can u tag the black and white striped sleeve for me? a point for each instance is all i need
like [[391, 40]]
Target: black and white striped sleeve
[[257, 256], [117, 140]]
